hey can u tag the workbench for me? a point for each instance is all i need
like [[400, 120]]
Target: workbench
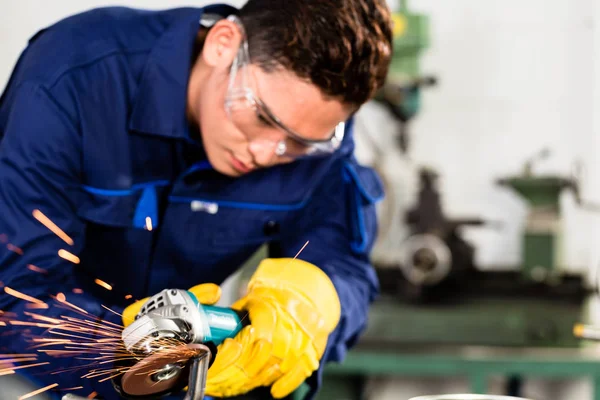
[[477, 364]]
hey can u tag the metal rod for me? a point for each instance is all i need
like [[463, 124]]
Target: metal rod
[[71, 396], [586, 332], [198, 372]]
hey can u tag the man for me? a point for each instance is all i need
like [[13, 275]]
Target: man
[[170, 151]]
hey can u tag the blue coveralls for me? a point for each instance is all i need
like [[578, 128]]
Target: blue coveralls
[[93, 133]]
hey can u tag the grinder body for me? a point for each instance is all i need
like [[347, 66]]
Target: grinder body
[[174, 339]]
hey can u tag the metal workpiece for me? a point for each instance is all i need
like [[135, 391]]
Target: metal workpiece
[[198, 372], [71, 396]]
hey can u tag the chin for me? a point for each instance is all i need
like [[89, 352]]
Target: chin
[[223, 167]]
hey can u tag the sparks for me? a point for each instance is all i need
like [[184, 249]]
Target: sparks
[[149, 223], [103, 284], [68, 256], [77, 291], [114, 312], [21, 296], [37, 214], [302, 249], [14, 249], [26, 366], [36, 306], [127, 297], [42, 390], [84, 337], [73, 306], [2, 356], [36, 269]]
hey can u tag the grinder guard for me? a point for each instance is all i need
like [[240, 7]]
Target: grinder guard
[[173, 316]]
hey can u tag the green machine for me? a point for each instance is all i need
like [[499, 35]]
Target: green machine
[[402, 92], [542, 239]]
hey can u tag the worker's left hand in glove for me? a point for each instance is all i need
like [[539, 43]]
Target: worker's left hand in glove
[[293, 307]]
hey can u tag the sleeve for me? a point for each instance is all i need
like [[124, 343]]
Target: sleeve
[[340, 225], [40, 169]]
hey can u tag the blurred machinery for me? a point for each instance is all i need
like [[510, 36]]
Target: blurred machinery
[[432, 289]]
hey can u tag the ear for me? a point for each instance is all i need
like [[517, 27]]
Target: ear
[[221, 44]]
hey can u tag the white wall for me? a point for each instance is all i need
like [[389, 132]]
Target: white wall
[[19, 20]]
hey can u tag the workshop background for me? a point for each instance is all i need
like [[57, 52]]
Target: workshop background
[[497, 84]]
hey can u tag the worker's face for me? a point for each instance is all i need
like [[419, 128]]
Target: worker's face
[[238, 138]]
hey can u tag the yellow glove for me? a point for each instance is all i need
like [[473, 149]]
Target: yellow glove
[[206, 293], [292, 307]]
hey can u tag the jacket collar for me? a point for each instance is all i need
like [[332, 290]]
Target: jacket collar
[[159, 107]]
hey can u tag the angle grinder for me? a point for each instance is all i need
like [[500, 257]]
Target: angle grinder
[[173, 341]]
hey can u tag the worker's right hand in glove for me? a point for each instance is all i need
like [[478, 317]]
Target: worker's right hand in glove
[[292, 307]]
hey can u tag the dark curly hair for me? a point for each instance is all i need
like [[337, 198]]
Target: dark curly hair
[[342, 46]]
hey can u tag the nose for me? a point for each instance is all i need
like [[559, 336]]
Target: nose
[[263, 152]]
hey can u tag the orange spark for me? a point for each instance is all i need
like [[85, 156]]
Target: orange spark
[[27, 366], [103, 284], [7, 372], [77, 291], [73, 388], [43, 318], [36, 306], [112, 376], [14, 249], [92, 395], [15, 355], [301, 250], [21, 296], [2, 323], [36, 269], [81, 310], [42, 390], [37, 214], [149, 223], [68, 256], [36, 324], [61, 297], [128, 297], [18, 360]]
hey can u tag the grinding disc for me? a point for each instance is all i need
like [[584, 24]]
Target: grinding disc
[[161, 371]]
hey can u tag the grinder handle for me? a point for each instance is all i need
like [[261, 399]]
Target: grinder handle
[[223, 322]]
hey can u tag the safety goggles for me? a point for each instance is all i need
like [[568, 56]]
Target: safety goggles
[[252, 116]]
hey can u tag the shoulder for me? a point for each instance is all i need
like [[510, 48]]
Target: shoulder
[[87, 38]]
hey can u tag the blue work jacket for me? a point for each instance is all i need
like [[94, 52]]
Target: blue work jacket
[[94, 134]]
